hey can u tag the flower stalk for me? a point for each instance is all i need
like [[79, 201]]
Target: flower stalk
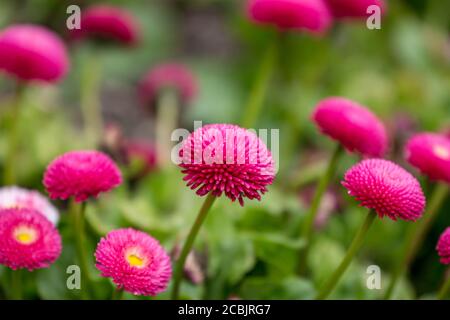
[[166, 121]]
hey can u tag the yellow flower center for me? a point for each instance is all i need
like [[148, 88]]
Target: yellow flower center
[[135, 258], [441, 152], [25, 235], [135, 261]]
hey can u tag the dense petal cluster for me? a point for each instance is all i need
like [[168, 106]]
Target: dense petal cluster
[[135, 261], [15, 197], [351, 124], [28, 239], [387, 188], [81, 174], [430, 153], [31, 52], [169, 75], [443, 247], [224, 158], [108, 22], [310, 15], [353, 8]]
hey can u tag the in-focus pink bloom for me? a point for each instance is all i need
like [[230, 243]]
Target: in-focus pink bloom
[[142, 152], [27, 240], [387, 188], [135, 261], [353, 8], [430, 153], [15, 197], [224, 158], [351, 124], [108, 22], [443, 246], [169, 75], [81, 174], [309, 15], [32, 52]]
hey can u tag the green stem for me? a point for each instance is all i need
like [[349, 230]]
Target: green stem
[[178, 274], [307, 230], [259, 89], [416, 235], [16, 284], [117, 294], [77, 212], [166, 121], [354, 248], [13, 142], [443, 292]]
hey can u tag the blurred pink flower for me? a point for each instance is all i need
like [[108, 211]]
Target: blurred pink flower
[[353, 8], [443, 246], [135, 262], [143, 152], [224, 158], [387, 188], [430, 153], [310, 15], [27, 240], [32, 52], [81, 174], [351, 124]]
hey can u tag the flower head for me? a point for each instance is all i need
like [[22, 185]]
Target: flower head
[[443, 246], [224, 158], [81, 174], [28, 239], [108, 22], [387, 188], [310, 15], [169, 75], [143, 153], [430, 153], [135, 261], [15, 197], [31, 52], [353, 8], [351, 124]]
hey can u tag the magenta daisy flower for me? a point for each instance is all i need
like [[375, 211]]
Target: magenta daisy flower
[[310, 15], [353, 8], [351, 124], [81, 174], [224, 158], [31, 52], [15, 197], [28, 240], [135, 261], [169, 75], [430, 153], [443, 246], [387, 188]]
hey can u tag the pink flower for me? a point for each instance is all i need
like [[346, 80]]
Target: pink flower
[[142, 152], [135, 261], [310, 15], [387, 188], [81, 174], [443, 246], [224, 158], [169, 75], [27, 240], [430, 153], [31, 52], [351, 124], [353, 8], [15, 197], [108, 22]]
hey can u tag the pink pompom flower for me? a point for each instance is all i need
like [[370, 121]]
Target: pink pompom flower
[[430, 153], [28, 240], [81, 174], [135, 261], [168, 75], [353, 8], [224, 158], [387, 188], [351, 124], [108, 22], [31, 52], [309, 15], [15, 197], [443, 247]]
